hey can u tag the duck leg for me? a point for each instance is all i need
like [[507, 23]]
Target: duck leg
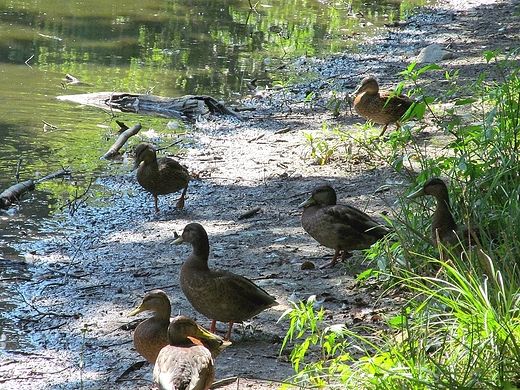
[[213, 326], [156, 200], [228, 334], [333, 261], [383, 131], [345, 255], [180, 202]]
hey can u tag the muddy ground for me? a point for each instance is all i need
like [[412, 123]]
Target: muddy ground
[[96, 269]]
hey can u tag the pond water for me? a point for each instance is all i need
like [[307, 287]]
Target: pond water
[[169, 48]]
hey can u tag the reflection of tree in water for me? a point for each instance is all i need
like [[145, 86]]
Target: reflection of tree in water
[[190, 46]]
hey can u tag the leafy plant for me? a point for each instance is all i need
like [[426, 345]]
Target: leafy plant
[[461, 327], [322, 146]]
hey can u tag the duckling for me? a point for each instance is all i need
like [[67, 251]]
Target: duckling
[[151, 335], [340, 227], [444, 229], [379, 106], [219, 295], [160, 176], [183, 364]]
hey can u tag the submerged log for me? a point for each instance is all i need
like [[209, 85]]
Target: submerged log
[[185, 107], [121, 140], [14, 193]]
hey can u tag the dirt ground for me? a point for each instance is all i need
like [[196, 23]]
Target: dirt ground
[[94, 272]]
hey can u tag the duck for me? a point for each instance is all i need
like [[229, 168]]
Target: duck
[[151, 335], [380, 106], [184, 364], [444, 229], [160, 176], [217, 294], [340, 227]]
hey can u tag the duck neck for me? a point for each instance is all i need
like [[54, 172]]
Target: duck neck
[[442, 218], [152, 164], [163, 312], [200, 255]]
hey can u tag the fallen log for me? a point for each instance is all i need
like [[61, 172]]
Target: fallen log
[[185, 107], [121, 140], [14, 193]]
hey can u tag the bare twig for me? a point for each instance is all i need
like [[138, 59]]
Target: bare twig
[[250, 213], [74, 203], [29, 59], [170, 145], [60, 173], [48, 127], [40, 312], [17, 173]]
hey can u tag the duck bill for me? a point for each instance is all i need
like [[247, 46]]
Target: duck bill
[[416, 194], [178, 240], [138, 310], [205, 335], [307, 203], [356, 91]]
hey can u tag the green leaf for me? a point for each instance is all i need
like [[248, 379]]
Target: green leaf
[[428, 68], [462, 102]]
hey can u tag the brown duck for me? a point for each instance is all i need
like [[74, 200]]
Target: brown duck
[[217, 294], [184, 364], [340, 227], [380, 106], [160, 176], [151, 335], [444, 229]]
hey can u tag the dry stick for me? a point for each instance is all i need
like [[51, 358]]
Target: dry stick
[[250, 213], [73, 204], [60, 173], [134, 367], [170, 145], [17, 174], [112, 152], [41, 312]]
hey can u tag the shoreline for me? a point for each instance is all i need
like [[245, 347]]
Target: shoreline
[[84, 284]]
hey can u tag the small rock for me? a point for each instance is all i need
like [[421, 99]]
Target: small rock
[[307, 265]]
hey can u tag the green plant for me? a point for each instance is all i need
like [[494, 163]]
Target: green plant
[[322, 147], [81, 362], [458, 331], [323, 342], [461, 327]]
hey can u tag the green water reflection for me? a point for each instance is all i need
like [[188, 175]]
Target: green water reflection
[[171, 48]]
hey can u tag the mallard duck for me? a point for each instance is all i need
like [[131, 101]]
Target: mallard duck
[[340, 227], [160, 176], [151, 335], [379, 106], [444, 229], [183, 364], [217, 294]]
